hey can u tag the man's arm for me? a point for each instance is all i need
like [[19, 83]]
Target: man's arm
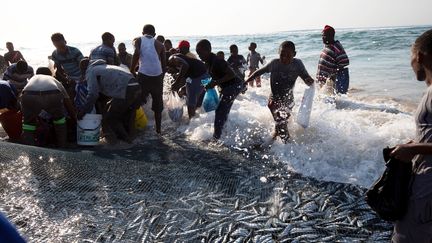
[[259, 72], [21, 56], [406, 152], [135, 56], [70, 108], [162, 56], [92, 95], [180, 80], [228, 75]]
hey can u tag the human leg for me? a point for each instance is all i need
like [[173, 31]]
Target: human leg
[[194, 92], [31, 107], [251, 70], [227, 97], [157, 97], [280, 113], [11, 121], [258, 81]]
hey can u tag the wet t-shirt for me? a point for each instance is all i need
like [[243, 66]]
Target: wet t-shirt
[[217, 69], [284, 76]]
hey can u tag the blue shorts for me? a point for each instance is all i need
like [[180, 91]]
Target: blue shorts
[[342, 81], [195, 91]]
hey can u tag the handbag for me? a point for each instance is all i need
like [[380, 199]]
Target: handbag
[[389, 195]]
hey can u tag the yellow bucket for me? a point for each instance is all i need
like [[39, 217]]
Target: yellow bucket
[[140, 119]]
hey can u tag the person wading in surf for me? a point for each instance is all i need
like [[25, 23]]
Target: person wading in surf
[[284, 72], [333, 62], [152, 65], [224, 77]]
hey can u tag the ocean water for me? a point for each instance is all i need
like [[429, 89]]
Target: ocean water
[[344, 140]]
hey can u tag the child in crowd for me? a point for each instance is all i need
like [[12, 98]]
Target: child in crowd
[[237, 61], [253, 59], [220, 55], [284, 72]]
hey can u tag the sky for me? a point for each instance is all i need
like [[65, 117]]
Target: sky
[[31, 23]]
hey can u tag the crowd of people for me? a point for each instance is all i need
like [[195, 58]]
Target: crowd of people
[[50, 101], [42, 108]]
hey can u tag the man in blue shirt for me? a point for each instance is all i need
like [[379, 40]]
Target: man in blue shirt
[[106, 51]]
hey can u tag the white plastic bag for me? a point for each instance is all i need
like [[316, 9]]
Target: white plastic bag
[[305, 108], [175, 107]]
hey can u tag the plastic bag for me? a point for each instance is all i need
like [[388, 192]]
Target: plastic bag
[[305, 108], [211, 97], [140, 118], [175, 107]]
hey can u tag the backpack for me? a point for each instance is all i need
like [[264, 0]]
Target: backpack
[[389, 195]]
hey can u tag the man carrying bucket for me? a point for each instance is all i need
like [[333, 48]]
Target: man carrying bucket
[[44, 99], [124, 93]]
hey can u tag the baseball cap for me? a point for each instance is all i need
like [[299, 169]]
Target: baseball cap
[[183, 43], [328, 28]]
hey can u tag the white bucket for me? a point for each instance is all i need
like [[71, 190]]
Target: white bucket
[[88, 129]]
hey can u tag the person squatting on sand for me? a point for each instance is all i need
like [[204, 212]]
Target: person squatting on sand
[[17, 74], [333, 62], [188, 80], [284, 72], [416, 225], [45, 98], [124, 95], [152, 64], [224, 77]]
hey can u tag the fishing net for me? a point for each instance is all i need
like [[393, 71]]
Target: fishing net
[[165, 189]]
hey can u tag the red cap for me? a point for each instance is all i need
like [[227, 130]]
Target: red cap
[[328, 28], [183, 43]]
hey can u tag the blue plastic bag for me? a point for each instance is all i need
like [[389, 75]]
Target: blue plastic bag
[[211, 97]]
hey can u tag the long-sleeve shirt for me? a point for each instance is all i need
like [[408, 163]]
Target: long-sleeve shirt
[[109, 80], [332, 59]]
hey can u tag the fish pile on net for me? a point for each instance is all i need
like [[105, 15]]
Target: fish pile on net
[[167, 190]]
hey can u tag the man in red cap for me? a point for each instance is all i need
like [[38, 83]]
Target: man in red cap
[[333, 62], [183, 48]]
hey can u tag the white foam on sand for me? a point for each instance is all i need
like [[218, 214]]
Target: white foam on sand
[[343, 143]]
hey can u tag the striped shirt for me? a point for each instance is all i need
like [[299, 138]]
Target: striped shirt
[[332, 59], [69, 61], [106, 53]]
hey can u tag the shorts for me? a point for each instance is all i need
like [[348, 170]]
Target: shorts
[[154, 87], [342, 81], [195, 91]]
